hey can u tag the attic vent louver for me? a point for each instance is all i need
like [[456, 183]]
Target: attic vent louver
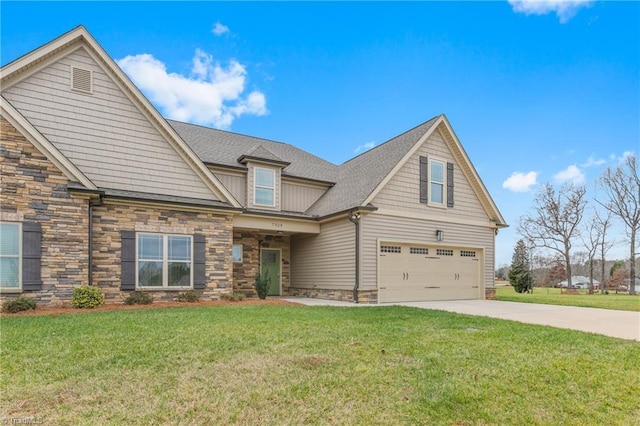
[[81, 80]]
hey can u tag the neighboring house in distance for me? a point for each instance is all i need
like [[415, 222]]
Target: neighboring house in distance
[[579, 281], [99, 189]]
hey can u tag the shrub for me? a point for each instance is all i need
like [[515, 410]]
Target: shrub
[[138, 298], [87, 297], [232, 297], [18, 305], [190, 296], [262, 285]]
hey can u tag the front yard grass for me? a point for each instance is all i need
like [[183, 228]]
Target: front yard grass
[[311, 365], [556, 296]]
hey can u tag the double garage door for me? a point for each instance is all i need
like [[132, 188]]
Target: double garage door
[[413, 273]]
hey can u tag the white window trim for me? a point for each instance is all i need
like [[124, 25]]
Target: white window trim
[[19, 287], [443, 183], [241, 253], [165, 263], [256, 186]]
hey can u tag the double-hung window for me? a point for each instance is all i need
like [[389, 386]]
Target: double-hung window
[[264, 187], [164, 260], [10, 256], [436, 182]]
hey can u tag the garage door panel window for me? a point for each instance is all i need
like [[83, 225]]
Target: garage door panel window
[[467, 253], [418, 250], [390, 249], [444, 252]]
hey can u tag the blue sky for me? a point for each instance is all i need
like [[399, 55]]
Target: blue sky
[[536, 91]]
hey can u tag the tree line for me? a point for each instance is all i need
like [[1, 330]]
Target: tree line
[[557, 224]]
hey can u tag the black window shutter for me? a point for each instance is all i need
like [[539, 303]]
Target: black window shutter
[[199, 257], [128, 261], [31, 256], [424, 184], [449, 184]]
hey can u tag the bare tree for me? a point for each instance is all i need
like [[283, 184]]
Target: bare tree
[[595, 240], [603, 223], [555, 222], [591, 240], [622, 189]]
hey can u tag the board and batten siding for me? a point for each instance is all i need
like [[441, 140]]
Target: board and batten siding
[[298, 198], [325, 260], [236, 184], [402, 192], [379, 227], [103, 133]]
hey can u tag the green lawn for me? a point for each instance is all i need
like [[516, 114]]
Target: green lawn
[[554, 296], [311, 365]]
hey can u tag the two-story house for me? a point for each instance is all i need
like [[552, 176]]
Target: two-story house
[[99, 189]]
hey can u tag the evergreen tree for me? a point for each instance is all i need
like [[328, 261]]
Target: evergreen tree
[[520, 271]]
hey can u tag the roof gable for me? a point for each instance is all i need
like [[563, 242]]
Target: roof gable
[[363, 176], [182, 165]]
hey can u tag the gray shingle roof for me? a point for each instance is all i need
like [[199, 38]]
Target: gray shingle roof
[[354, 180], [358, 177], [224, 148]]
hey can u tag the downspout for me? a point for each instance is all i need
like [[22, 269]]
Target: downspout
[[92, 204], [354, 217]]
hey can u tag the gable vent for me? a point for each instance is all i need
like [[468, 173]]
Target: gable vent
[[81, 80]]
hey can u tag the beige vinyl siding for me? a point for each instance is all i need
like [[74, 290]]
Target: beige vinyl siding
[[402, 192], [104, 134], [236, 184], [299, 197], [326, 260], [377, 226]]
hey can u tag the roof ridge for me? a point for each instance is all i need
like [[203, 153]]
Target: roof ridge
[[229, 132]]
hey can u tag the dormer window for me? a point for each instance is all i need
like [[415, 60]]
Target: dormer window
[[264, 187]]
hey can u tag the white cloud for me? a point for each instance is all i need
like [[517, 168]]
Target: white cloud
[[591, 162], [520, 182], [219, 29], [564, 9], [212, 95], [571, 174], [364, 147]]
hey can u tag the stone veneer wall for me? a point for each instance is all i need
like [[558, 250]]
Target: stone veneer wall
[[110, 219], [244, 273], [32, 188], [366, 297], [490, 293]]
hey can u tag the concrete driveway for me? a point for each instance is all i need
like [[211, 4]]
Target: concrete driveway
[[620, 324]]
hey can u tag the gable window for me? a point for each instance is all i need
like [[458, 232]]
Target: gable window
[[436, 182], [10, 256], [164, 260], [264, 187]]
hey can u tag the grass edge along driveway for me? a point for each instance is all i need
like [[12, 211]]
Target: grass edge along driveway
[[554, 296], [311, 365]]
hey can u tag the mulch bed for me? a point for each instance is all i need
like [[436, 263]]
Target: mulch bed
[[65, 310]]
